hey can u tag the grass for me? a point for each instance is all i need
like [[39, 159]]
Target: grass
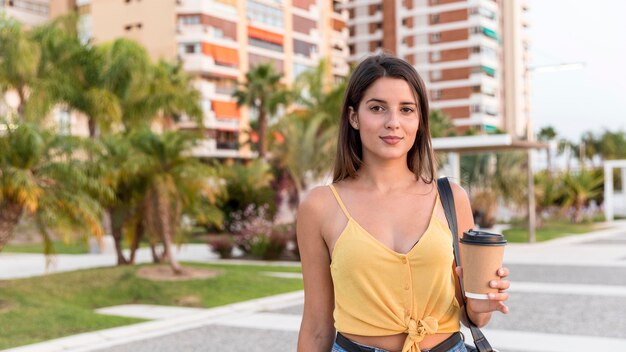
[[550, 230], [60, 247], [53, 306]]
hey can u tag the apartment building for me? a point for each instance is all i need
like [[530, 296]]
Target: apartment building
[[218, 41], [472, 54]]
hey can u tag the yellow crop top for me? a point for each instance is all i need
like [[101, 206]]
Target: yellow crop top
[[380, 292]]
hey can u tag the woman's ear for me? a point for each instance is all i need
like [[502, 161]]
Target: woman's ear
[[353, 118]]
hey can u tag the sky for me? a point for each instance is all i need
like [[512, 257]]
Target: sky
[[589, 99]]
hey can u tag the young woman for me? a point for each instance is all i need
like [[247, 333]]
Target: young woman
[[375, 245]]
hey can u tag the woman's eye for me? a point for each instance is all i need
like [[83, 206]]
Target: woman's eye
[[376, 108], [407, 110]]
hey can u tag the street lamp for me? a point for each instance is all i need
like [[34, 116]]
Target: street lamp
[[532, 216]]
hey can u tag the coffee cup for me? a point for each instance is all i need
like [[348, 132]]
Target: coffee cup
[[481, 257]]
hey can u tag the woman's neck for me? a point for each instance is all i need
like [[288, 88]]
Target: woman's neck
[[386, 178]]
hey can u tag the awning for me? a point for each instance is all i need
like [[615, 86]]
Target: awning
[[225, 109], [338, 25], [488, 70], [490, 33], [221, 54], [264, 35]]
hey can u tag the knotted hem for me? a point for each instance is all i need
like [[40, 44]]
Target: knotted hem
[[417, 331]]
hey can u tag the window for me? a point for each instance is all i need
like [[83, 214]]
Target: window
[[476, 108], [435, 75], [189, 20], [265, 14], [436, 94], [227, 140], [64, 122], [299, 68], [189, 48], [435, 37], [435, 56], [36, 7], [303, 48], [434, 18], [265, 45]]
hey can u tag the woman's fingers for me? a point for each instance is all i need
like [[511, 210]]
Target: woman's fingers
[[503, 272], [504, 309], [501, 296], [500, 284]]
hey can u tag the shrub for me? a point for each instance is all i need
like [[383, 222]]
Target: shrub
[[222, 245], [257, 235]]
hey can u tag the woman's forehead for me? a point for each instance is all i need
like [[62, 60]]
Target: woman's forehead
[[387, 88]]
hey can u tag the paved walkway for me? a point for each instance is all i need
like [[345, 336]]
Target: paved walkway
[[567, 295]]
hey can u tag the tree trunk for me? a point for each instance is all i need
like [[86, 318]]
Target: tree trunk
[[167, 228], [21, 105], [117, 217], [155, 256], [262, 132], [578, 210], [93, 129], [10, 213], [136, 241]]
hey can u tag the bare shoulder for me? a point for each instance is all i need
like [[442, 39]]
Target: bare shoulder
[[316, 201], [463, 206], [460, 195]]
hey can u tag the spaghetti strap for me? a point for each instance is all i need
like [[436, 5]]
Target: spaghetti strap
[[343, 207], [435, 206]]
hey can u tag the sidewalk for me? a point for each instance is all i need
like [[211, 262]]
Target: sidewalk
[[585, 268], [22, 265]]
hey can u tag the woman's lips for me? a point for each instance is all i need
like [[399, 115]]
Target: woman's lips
[[391, 139]]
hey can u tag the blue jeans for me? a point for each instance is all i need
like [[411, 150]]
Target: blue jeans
[[459, 347]]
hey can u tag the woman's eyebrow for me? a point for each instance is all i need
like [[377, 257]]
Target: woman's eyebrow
[[376, 100]]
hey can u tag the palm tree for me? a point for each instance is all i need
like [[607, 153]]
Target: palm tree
[[19, 63], [263, 92], [303, 140], [245, 185], [547, 134], [490, 177], [579, 188], [41, 176], [74, 74], [173, 181], [440, 124], [548, 193]]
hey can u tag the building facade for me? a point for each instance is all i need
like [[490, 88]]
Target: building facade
[[217, 41], [472, 54]]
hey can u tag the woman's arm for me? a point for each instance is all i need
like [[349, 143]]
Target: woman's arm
[[479, 311], [317, 330]]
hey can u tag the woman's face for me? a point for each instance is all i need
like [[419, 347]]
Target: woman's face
[[387, 120]]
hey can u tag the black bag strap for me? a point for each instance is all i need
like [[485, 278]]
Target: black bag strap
[[447, 200]]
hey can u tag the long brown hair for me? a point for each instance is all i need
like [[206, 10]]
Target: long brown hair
[[420, 158]]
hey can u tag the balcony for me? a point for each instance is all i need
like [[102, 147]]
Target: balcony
[[200, 63], [210, 148], [192, 33], [377, 17], [377, 35], [213, 8]]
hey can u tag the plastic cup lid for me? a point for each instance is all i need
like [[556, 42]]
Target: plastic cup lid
[[483, 238]]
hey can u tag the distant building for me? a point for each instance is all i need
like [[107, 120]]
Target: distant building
[[217, 41], [472, 54]]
